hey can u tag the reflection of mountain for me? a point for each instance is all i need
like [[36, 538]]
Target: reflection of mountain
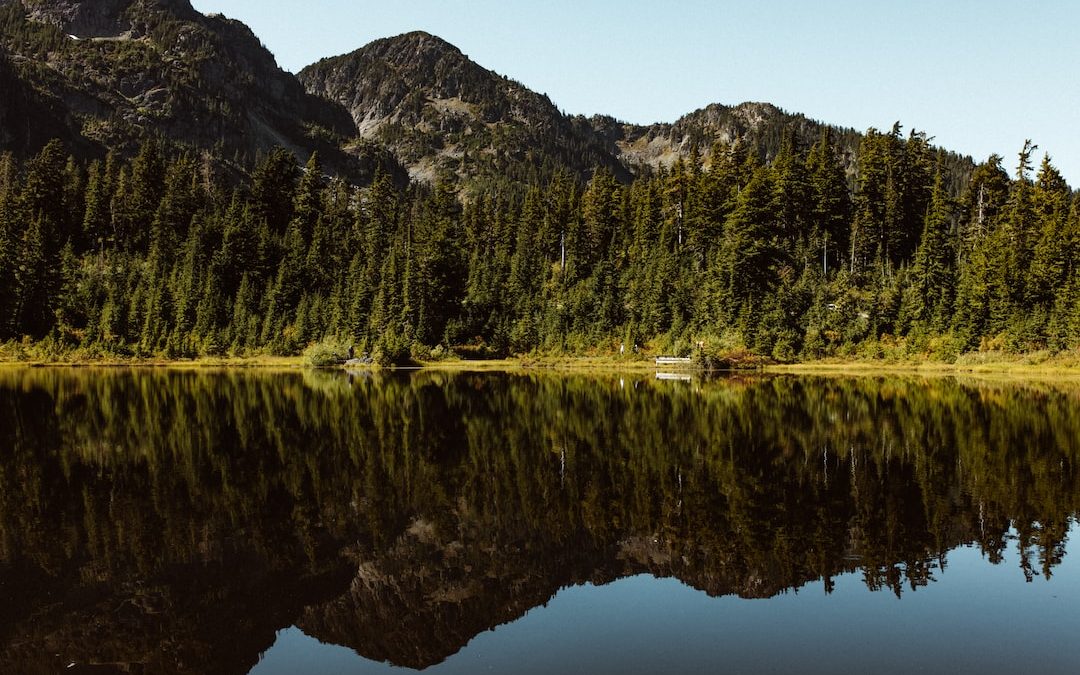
[[189, 619], [173, 521], [424, 600]]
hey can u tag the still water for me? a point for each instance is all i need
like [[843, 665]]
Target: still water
[[321, 522]]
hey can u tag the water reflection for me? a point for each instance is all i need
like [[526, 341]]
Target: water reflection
[[174, 521]]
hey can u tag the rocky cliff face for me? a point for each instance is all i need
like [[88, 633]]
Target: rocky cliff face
[[85, 20], [444, 115], [124, 70]]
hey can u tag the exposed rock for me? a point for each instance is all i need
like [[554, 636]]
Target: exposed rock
[[125, 70], [445, 115]]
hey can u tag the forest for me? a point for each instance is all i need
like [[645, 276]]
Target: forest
[[794, 256]]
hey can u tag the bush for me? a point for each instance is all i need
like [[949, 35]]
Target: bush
[[326, 353], [419, 351], [784, 350], [477, 350], [392, 350]]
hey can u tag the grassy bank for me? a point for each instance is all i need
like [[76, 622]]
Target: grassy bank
[[1043, 364], [1036, 363], [79, 361]]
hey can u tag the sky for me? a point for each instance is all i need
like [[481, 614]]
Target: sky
[[978, 76]]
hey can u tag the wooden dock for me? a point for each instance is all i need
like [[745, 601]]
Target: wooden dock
[[674, 361]]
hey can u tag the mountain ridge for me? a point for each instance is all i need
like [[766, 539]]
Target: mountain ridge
[[106, 75], [447, 117], [124, 71]]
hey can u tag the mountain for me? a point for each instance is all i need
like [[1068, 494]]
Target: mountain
[[758, 125], [443, 114], [110, 73]]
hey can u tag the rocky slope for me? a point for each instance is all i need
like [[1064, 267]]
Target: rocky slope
[[759, 125], [443, 114], [28, 120], [118, 71]]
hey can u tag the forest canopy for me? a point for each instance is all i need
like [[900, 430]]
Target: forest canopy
[[794, 258]]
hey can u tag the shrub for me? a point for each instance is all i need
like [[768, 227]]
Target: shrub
[[326, 353], [392, 350]]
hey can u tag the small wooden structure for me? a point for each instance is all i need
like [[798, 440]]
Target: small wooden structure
[[673, 361]]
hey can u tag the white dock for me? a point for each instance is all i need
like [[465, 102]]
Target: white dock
[[673, 361]]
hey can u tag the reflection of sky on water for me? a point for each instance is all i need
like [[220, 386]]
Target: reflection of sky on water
[[974, 618]]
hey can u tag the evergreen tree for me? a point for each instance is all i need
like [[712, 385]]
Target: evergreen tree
[[9, 238], [37, 272], [306, 204], [982, 202], [748, 253], [143, 188], [273, 190], [97, 217], [794, 195], [1050, 256], [831, 203], [929, 296]]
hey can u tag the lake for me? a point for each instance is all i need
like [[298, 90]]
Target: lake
[[236, 521]]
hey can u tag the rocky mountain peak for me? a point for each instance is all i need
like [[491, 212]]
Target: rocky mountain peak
[[413, 43], [444, 114], [119, 71], [89, 19]]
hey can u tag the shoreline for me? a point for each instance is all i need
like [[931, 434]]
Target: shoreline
[[1063, 366]]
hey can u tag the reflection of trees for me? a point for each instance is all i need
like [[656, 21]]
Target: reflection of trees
[[150, 502]]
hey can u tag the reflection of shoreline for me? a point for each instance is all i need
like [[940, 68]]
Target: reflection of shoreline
[[138, 503]]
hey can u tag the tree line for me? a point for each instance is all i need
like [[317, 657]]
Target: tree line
[[791, 258]]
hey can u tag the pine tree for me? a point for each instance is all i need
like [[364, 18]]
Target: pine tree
[[145, 188], [1012, 246], [307, 202], [1050, 256], [9, 240], [273, 190], [929, 297], [794, 195], [982, 202], [187, 286], [869, 221], [588, 242], [35, 279], [96, 216], [831, 210], [239, 253], [44, 189], [748, 253], [37, 273]]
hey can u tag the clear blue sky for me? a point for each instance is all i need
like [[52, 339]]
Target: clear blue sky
[[978, 75]]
